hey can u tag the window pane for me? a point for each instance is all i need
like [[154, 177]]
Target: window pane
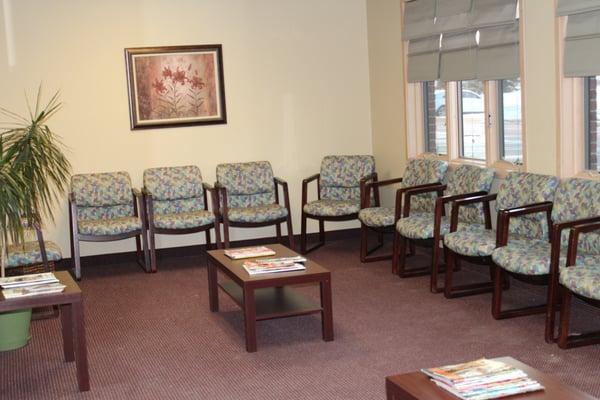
[[434, 107], [592, 109], [509, 117], [471, 119]]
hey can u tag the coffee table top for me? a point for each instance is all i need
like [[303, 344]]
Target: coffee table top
[[238, 273], [417, 385]]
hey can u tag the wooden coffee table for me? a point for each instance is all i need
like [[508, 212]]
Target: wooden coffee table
[[269, 296], [71, 315], [416, 385]]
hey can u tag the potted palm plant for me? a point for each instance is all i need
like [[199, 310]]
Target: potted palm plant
[[34, 173]]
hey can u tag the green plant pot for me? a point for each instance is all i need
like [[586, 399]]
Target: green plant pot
[[14, 329]]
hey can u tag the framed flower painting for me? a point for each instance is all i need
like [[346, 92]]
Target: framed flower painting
[[175, 86]]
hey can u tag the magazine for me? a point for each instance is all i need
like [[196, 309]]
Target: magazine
[[257, 268], [482, 379], [17, 292], [27, 280], [249, 252]]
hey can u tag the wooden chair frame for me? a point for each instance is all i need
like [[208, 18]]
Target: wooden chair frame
[[501, 275], [365, 252], [76, 237], [224, 214], [323, 218], [400, 241], [453, 259], [566, 341], [153, 230]]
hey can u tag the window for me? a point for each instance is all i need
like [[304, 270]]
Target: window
[[471, 119], [509, 120], [592, 122], [434, 113]]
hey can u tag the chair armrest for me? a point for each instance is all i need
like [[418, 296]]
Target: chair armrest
[[280, 181], [207, 186], [371, 177], [286, 194], [505, 215], [416, 190], [574, 239], [136, 192], [365, 192], [305, 183], [400, 192], [385, 182], [485, 199], [221, 195]]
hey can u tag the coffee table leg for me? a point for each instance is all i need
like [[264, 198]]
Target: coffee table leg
[[327, 313], [66, 318], [213, 289], [250, 319], [81, 362]]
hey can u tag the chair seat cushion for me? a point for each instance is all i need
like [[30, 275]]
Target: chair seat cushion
[[29, 253], [472, 243], [583, 280], [116, 226], [332, 208], [264, 213], [377, 217], [184, 220], [421, 226]]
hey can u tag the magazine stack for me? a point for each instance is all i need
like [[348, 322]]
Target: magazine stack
[[249, 252], [271, 265], [482, 379], [30, 285]]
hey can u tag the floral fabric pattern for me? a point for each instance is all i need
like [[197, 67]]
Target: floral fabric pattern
[[107, 212], [578, 199], [332, 208], [100, 227], [421, 226], [340, 176], [29, 253], [377, 217], [481, 242], [248, 184], [174, 183], [178, 206], [184, 220], [99, 190], [470, 179], [421, 172], [583, 280], [262, 213], [521, 188]]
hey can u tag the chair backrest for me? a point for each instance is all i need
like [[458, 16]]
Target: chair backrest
[[521, 188], [577, 199], [175, 190], [102, 196], [421, 172], [248, 184], [468, 179], [341, 175]]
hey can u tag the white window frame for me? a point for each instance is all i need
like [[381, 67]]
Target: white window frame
[[415, 129]]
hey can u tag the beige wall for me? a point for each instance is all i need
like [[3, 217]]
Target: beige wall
[[296, 84], [387, 86]]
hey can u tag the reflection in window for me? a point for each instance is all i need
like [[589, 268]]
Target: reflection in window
[[509, 117], [471, 119], [592, 115], [434, 106]]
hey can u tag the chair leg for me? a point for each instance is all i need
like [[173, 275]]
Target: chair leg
[[551, 309], [303, 233], [450, 264], [401, 255], [565, 316], [322, 231], [226, 233], [364, 241], [138, 250], [208, 241], [497, 293], [218, 243], [395, 252], [278, 232], [152, 249], [412, 248], [147, 263], [290, 232], [435, 257], [76, 257]]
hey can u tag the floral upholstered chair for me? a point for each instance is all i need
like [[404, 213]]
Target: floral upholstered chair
[[580, 278], [32, 256], [577, 201], [176, 203], [528, 199], [339, 196], [418, 173], [249, 197], [423, 220], [104, 207]]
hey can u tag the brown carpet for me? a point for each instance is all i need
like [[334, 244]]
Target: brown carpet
[[153, 337]]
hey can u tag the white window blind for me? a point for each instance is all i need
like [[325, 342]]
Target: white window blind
[[424, 59], [582, 41]]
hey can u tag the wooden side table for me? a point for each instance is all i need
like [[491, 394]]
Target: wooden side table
[[416, 386], [71, 315]]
